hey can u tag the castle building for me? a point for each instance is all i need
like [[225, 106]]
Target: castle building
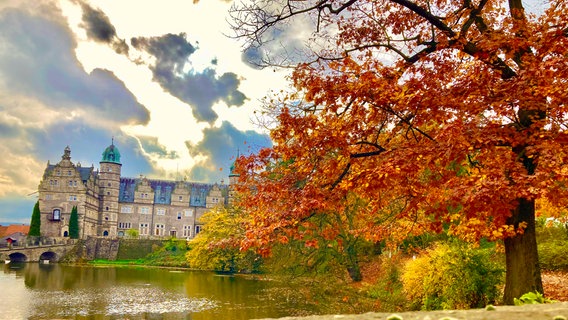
[[109, 205]]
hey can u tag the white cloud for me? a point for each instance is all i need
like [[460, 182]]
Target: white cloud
[[171, 120]]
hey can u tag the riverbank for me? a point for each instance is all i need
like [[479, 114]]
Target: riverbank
[[551, 311]]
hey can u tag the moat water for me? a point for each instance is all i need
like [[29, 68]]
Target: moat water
[[52, 291]]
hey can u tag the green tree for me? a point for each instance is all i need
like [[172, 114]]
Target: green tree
[[35, 224], [74, 224]]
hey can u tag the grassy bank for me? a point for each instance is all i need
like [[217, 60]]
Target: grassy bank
[[170, 253]]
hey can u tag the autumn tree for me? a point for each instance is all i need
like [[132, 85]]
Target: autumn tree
[[327, 240], [217, 246], [74, 224], [35, 223], [455, 111]]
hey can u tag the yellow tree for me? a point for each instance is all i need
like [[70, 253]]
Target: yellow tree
[[455, 110], [217, 246]]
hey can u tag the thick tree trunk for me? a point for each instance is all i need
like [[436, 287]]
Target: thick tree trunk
[[523, 270]]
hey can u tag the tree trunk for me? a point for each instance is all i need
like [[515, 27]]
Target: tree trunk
[[355, 272], [521, 254], [353, 267]]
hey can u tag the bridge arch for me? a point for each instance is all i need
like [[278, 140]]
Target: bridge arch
[[48, 255], [18, 257]]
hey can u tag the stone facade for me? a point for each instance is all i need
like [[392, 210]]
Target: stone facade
[[109, 205]]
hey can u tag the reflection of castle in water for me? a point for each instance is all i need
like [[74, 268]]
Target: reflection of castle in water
[[56, 291], [109, 205]]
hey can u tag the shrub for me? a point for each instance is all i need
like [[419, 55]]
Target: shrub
[[552, 255], [132, 233], [532, 298], [452, 276], [552, 242]]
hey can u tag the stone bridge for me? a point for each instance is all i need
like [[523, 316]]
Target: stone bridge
[[51, 252]]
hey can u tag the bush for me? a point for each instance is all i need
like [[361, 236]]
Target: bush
[[552, 237], [171, 254], [452, 276], [552, 255], [532, 298]]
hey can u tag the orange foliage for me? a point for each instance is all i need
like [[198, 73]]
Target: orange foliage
[[437, 114]]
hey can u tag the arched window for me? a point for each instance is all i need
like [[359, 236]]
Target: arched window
[[66, 233], [105, 233], [56, 215]]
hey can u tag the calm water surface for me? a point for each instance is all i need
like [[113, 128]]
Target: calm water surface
[[34, 291]]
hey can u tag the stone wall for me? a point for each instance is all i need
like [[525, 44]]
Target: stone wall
[[111, 249], [137, 248], [98, 248]]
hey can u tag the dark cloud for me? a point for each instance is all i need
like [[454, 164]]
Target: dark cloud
[[253, 57], [151, 145], [199, 89], [172, 52], [97, 24], [221, 146], [99, 28], [45, 67], [281, 46]]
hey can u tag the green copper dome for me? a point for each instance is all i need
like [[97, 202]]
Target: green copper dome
[[232, 170], [111, 154]]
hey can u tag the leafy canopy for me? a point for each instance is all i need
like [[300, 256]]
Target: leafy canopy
[[437, 114]]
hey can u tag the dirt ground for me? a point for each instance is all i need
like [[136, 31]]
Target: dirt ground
[[555, 285]]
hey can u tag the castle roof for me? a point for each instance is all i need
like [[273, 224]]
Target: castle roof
[[163, 190], [84, 172], [111, 154]]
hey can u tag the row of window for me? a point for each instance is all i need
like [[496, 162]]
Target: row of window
[[55, 182], [159, 211], [180, 198], [125, 209], [58, 172], [124, 225], [160, 229], [72, 197]]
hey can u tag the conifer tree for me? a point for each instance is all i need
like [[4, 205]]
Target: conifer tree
[[74, 224], [35, 223]]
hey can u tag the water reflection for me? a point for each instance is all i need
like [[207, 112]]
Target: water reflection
[[69, 292]]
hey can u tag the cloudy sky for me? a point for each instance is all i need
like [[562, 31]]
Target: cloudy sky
[[161, 77]]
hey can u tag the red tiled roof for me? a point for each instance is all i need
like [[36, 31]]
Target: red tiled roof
[[13, 228]]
